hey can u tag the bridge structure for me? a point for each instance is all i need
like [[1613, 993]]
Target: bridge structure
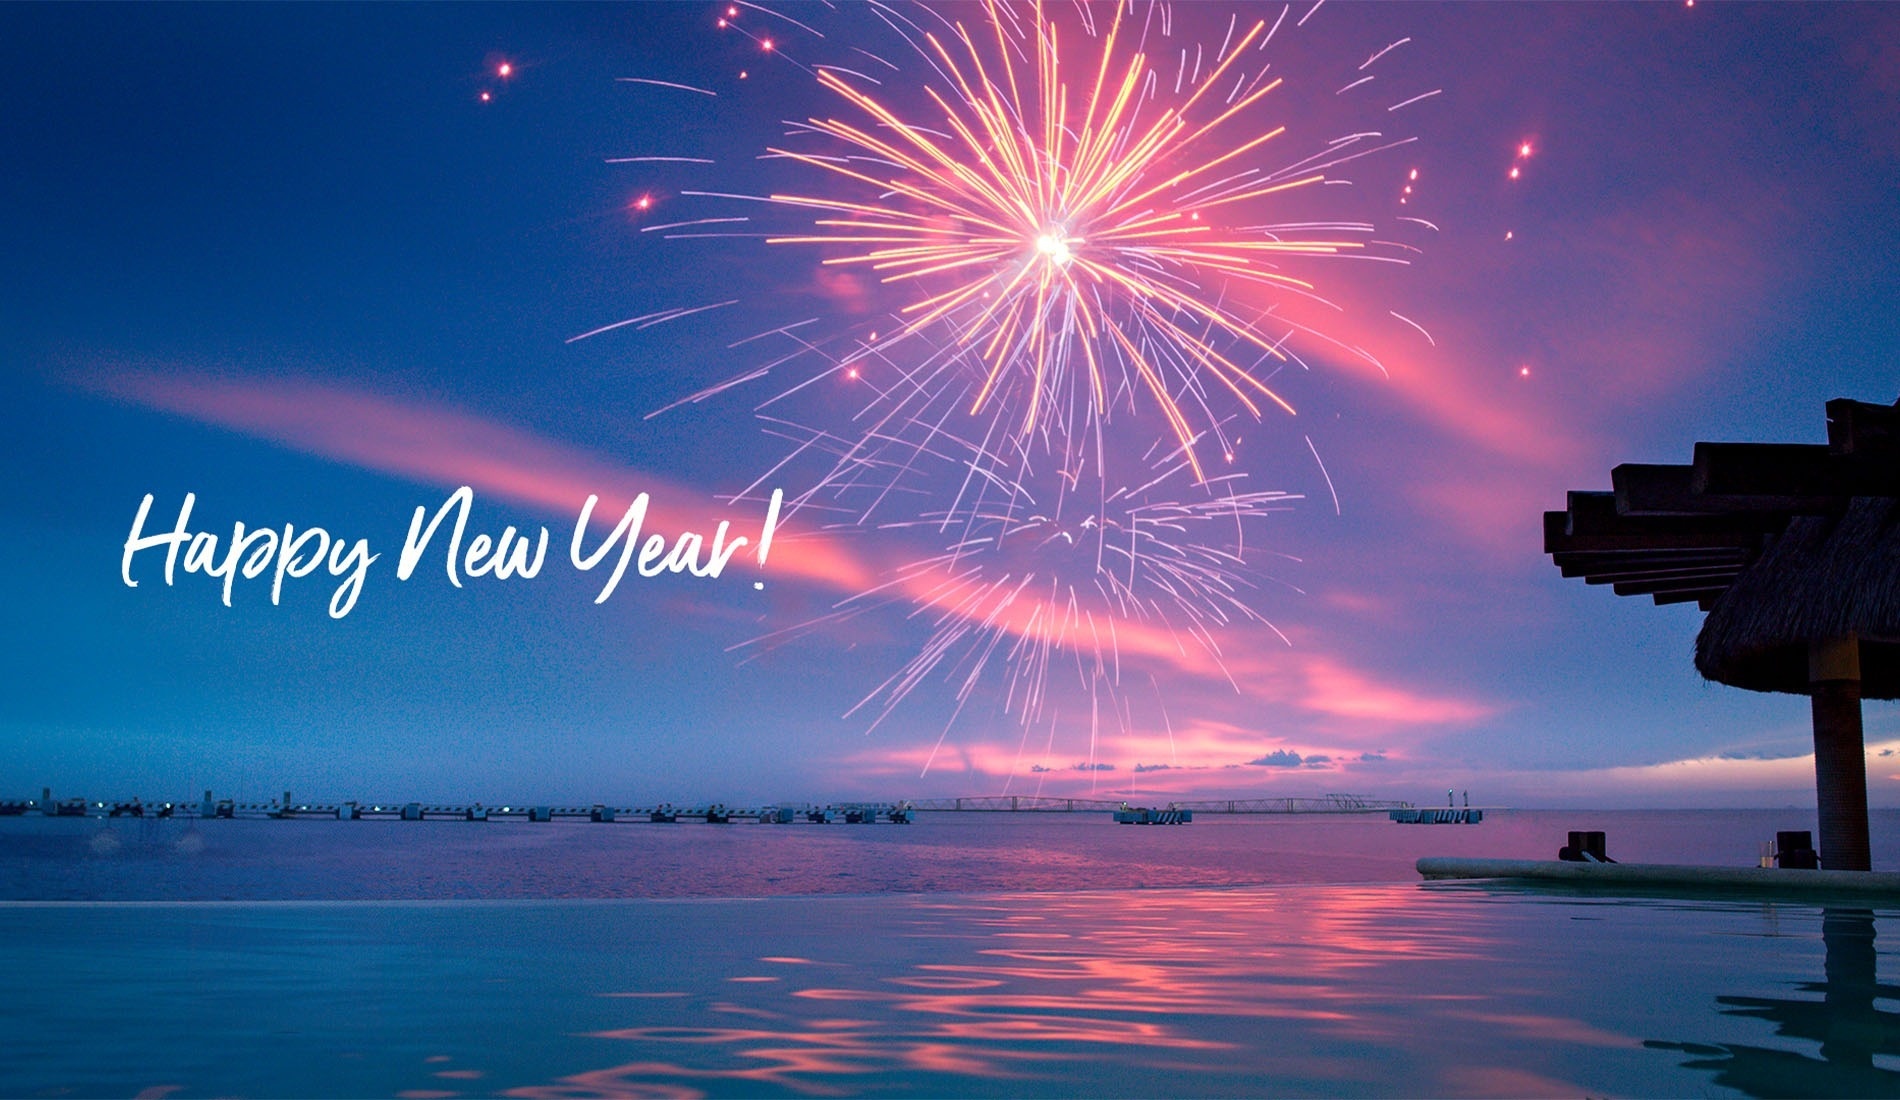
[[1024, 803]]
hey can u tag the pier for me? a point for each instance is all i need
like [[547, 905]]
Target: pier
[[209, 808], [898, 811], [1013, 803]]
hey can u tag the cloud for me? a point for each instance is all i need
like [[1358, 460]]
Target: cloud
[[1279, 758], [1722, 779], [1332, 688]]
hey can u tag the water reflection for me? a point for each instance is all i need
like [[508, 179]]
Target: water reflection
[[1237, 992], [1339, 991], [1844, 1025]]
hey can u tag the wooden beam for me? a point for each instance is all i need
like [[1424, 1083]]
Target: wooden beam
[[1821, 489], [1801, 478], [1637, 536], [1590, 561], [1642, 489], [1596, 514], [1718, 574], [1649, 567], [1635, 542], [1691, 587], [1858, 428], [1705, 599], [1761, 469]]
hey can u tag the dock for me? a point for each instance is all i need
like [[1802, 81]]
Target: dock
[[1466, 816]]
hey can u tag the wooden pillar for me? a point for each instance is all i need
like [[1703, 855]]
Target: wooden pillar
[[1840, 755]]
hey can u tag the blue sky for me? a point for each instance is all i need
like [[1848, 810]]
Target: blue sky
[[289, 260]]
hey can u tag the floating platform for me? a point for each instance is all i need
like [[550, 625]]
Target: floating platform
[[1466, 816], [1881, 886], [1142, 815]]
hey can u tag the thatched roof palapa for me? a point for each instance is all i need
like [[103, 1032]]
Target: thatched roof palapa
[[1794, 551], [1824, 578]]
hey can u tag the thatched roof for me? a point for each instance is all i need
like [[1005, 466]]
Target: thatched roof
[[1824, 578]]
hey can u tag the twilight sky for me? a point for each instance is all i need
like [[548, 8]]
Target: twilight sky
[[322, 265]]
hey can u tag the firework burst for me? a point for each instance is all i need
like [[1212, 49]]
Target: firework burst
[[1071, 230], [1078, 238], [1047, 579]]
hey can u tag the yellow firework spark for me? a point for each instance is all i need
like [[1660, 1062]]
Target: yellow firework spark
[[1073, 236]]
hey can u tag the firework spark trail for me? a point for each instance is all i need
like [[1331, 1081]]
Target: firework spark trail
[[1414, 324], [660, 317], [663, 84]]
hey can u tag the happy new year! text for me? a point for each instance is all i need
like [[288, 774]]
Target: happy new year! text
[[294, 553]]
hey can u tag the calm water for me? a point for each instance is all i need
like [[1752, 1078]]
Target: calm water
[[185, 859], [959, 956]]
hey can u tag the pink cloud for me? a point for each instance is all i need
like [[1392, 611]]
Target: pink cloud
[[1332, 688], [1214, 761], [1368, 605], [1257, 664]]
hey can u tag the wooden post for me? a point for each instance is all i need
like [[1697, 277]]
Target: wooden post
[[1840, 755]]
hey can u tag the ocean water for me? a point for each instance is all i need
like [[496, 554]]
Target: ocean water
[[965, 955]]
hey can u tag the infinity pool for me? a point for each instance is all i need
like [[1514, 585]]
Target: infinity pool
[[1377, 990]]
